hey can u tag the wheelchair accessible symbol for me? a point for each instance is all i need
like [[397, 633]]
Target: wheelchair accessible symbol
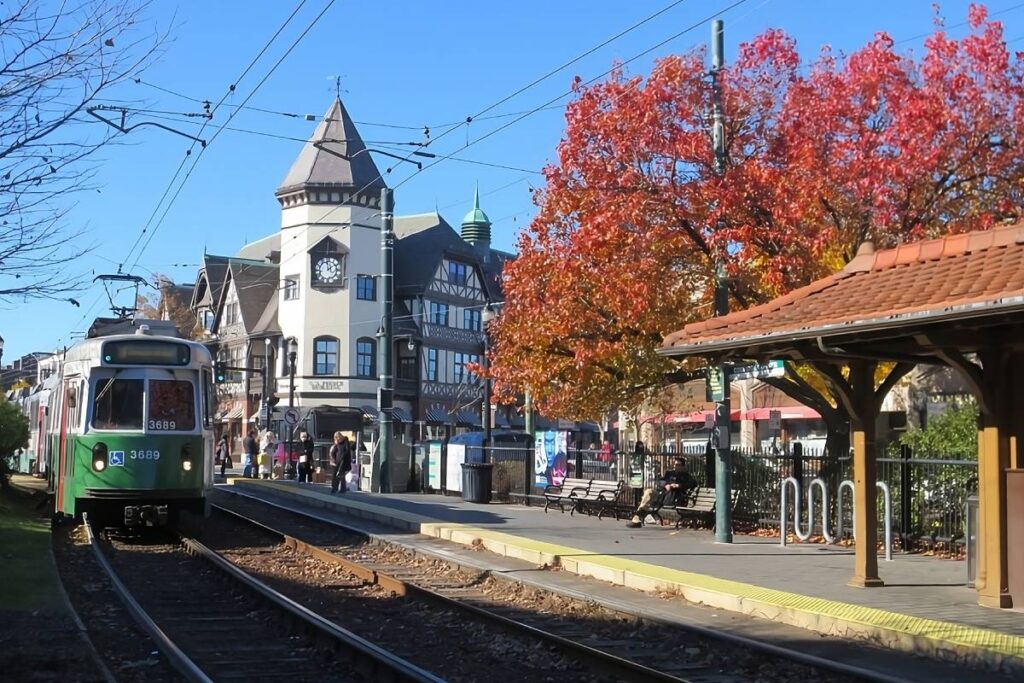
[[116, 459]]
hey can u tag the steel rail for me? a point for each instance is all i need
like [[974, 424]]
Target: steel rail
[[618, 667], [710, 633], [383, 665], [177, 658]]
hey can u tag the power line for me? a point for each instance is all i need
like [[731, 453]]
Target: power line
[[957, 25], [274, 68], [592, 80], [231, 89]]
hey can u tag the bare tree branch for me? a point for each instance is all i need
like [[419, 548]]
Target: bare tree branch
[[56, 60]]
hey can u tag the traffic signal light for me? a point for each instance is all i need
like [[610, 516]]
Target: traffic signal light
[[219, 375], [273, 401]]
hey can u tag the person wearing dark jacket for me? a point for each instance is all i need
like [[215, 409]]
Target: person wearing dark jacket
[[673, 488], [306, 463], [249, 450], [341, 462]]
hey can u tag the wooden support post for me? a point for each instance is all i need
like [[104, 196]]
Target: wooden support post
[[865, 475], [993, 461]]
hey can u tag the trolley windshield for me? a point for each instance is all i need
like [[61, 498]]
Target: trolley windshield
[[144, 403]]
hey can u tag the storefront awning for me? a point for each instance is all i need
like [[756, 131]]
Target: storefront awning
[[233, 414], [787, 413], [438, 416], [370, 411], [467, 418], [401, 414]]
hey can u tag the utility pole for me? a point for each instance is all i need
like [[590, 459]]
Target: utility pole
[[382, 463], [723, 426]]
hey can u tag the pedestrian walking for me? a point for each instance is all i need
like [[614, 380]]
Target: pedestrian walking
[[223, 454], [341, 462], [306, 458], [268, 444], [249, 451]]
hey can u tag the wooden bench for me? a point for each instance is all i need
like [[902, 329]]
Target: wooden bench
[[701, 504], [601, 496], [562, 494]]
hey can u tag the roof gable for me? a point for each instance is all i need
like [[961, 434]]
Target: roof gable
[[952, 276]]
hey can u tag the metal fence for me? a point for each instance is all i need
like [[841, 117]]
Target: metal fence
[[929, 494]]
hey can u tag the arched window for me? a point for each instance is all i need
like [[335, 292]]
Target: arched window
[[366, 355], [325, 356]]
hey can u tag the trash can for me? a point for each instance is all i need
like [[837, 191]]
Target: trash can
[[476, 482], [971, 536]]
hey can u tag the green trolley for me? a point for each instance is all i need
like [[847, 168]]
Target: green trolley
[[131, 429]]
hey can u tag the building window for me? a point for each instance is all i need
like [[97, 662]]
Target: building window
[[439, 313], [231, 313], [291, 288], [364, 357], [458, 273], [366, 287], [471, 319], [459, 368], [432, 365], [407, 367], [208, 318], [325, 356]]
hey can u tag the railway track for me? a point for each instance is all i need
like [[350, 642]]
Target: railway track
[[214, 622], [619, 647]]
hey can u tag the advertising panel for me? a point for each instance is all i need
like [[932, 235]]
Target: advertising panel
[[550, 457], [434, 466], [456, 456]]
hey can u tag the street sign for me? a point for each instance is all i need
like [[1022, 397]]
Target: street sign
[[291, 417], [773, 368], [709, 421], [716, 384], [775, 420], [265, 416]]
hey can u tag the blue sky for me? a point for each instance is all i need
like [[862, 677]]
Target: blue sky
[[402, 63]]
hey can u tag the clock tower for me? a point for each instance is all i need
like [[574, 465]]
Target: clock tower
[[330, 264]]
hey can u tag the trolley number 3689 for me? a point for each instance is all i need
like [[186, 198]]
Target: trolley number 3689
[[144, 455]]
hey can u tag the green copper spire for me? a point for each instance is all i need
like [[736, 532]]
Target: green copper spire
[[476, 226]]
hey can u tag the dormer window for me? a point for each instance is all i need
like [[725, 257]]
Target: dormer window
[[458, 273], [327, 262]]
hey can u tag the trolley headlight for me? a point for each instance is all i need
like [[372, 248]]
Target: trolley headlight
[[99, 456], [186, 457]]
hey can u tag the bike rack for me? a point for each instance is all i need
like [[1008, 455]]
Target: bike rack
[[820, 483], [803, 536]]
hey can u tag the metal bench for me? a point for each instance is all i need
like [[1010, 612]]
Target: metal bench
[[701, 504], [601, 496], [562, 494]]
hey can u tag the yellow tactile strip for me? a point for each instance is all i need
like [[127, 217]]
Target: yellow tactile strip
[[946, 640]]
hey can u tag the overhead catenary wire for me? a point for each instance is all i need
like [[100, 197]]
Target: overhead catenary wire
[[255, 89], [231, 89]]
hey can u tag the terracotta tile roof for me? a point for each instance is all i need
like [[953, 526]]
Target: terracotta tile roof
[[933, 278]]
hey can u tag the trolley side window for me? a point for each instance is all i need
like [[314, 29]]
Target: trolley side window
[[117, 403], [172, 405]]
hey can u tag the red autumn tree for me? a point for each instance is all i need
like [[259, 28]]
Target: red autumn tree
[[877, 145]]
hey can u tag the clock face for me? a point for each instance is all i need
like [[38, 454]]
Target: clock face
[[328, 270]]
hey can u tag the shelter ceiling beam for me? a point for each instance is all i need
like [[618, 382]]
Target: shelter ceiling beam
[[971, 372]]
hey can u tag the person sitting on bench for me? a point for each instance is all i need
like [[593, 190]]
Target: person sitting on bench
[[673, 486]]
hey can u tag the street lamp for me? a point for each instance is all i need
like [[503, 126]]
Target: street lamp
[[293, 352], [1, 362], [486, 317]]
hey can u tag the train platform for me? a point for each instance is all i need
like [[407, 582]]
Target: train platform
[[925, 608]]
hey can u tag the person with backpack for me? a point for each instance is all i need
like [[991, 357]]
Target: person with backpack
[[341, 462]]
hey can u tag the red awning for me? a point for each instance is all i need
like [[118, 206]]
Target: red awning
[[788, 413], [696, 416]]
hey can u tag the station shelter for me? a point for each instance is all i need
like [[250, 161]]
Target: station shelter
[[956, 301]]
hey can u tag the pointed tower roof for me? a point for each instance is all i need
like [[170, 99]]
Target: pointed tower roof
[[334, 162], [476, 226]]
